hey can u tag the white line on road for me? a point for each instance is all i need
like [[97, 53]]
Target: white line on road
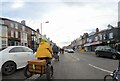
[[100, 68]]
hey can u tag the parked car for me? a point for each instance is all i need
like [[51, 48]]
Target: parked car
[[107, 51], [66, 50], [14, 57]]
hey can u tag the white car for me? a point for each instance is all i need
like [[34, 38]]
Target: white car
[[14, 57], [69, 50]]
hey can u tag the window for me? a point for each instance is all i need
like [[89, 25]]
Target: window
[[12, 33], [4, 31], [87, 39], [23, 28], [1, 21], [16, 43], [90, 40], [11, 43], [12, 25], [16, 25], [104, 36], [16, 34], [110, 35], [32, 38], [21, 35], [16, 49], [4, 42], [96, 38], [100, 36], [27, 49], [32, 32]]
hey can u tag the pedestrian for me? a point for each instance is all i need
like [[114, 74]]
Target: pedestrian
[[55, 49], [62, 50], [44, 51]]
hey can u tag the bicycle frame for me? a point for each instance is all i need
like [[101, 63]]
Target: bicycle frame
[[116, 73]]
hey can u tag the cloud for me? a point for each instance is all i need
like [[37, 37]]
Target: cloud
[[119, 11], [18, 4], [72, 21], [67, 20]]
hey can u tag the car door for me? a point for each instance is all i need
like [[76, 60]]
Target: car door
[[30, 54], [101, 51], [108, 52], [19, 56]]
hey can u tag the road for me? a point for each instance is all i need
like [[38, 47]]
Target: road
[[76, 66]]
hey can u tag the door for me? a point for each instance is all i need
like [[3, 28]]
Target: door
[[19, 56], [108, 52], [30, 54]]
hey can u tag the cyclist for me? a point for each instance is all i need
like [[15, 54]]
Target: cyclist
[[44, 51], [62, 50], [55, 49]]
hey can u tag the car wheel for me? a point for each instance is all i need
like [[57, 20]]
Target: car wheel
[[27, 74], [97, 54], [8, 68], [114, 56]]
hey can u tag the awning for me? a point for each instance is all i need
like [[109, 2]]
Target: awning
[[93, 43]]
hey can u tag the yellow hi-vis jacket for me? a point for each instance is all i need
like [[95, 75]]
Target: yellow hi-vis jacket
[[44, 50]]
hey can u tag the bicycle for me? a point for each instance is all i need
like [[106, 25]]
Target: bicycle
[[39, 68], [56, 56], [114, 76]]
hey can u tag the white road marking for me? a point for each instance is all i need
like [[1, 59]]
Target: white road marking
[[100, 68]]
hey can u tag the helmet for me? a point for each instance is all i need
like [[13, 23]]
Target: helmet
[[43, 40]]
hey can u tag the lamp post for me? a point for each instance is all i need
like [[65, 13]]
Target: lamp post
[[41, 26]]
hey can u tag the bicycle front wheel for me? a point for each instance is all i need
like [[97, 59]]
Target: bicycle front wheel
[[49, 72], [109, 78]]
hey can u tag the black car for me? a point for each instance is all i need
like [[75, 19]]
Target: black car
[[107, 51]]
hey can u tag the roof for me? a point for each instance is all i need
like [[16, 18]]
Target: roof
[[16, 22]]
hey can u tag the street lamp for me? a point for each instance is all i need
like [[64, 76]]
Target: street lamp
[[41, 26]]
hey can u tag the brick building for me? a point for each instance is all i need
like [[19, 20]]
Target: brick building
[[13, 33]]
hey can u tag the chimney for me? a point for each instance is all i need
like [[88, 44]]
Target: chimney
[[23, 22], [38, 31], [97, 30]]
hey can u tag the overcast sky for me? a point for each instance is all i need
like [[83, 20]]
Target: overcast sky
[[67, 19]]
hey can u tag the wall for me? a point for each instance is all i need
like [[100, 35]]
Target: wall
[[0, 36]]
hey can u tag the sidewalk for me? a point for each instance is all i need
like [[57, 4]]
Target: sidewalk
[[84, 52]]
